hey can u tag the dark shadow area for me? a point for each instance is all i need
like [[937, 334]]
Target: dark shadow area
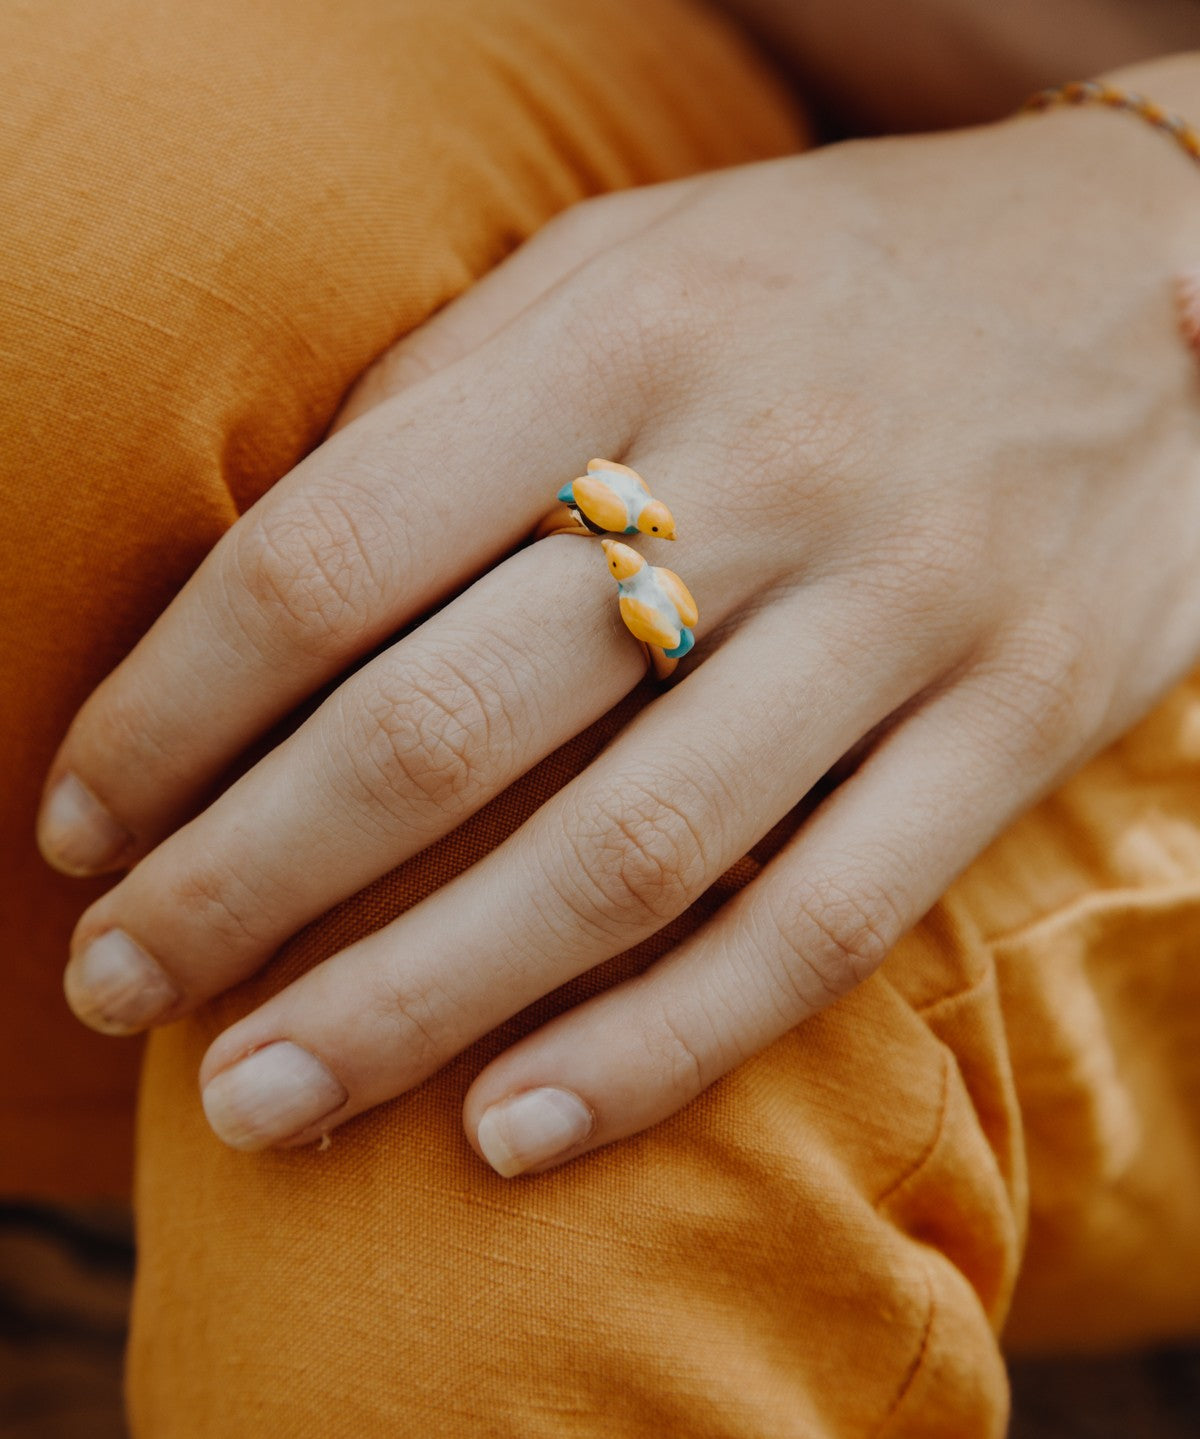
[[1137, 1396], [65, 1277]]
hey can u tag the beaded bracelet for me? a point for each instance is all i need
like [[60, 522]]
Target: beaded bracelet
[[1093, 92]]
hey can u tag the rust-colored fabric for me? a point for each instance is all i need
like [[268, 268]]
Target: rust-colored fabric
[[215, 215]]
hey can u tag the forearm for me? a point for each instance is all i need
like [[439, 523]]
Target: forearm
[[886, 65]]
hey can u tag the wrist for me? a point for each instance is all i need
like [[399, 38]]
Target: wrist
[[1060, 235], [1121, 199], [1113, 167]]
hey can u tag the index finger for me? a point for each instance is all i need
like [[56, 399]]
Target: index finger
[[383, 521]]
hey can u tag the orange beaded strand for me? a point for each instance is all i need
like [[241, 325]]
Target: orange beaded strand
[[1093, 92]]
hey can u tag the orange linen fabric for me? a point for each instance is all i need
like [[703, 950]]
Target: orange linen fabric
[[218, 215]]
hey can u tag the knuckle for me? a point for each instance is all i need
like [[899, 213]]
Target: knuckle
[[836, 933], [217, 900], [1047, 691], [407, 363], [124, 724], [674, 1057], [571, 230], [673, 311], [644, 346], [423, 741], [936, 565], [410, 1012], [786, 446], [416, 357], [310, 572], [640, 859]]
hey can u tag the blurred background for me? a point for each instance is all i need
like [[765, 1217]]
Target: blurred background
[[65, 1277]]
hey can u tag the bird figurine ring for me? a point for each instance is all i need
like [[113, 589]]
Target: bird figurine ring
[[656, 605]]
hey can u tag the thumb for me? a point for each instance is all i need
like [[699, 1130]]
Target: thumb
[[561, 247]]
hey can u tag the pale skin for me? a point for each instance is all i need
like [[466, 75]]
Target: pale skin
[[931, 439]]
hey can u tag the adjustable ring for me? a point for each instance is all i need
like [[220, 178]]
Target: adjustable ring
[[656, 605]]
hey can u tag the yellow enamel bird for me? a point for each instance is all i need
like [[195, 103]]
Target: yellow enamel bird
[[613, 499], [656, 605]]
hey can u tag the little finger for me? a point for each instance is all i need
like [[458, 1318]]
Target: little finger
[[820, 919]]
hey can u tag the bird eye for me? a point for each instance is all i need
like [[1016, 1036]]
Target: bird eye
[[654, 528]]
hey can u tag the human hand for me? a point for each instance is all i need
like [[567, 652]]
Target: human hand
[[930, 441]]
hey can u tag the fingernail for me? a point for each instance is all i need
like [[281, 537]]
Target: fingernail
[[531, 1128], [75, 833], [270, 1095], [114, 986]]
